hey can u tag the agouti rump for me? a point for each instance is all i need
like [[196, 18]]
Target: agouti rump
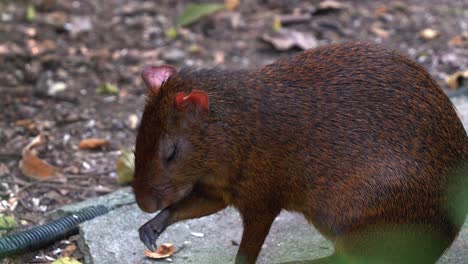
[[357, 138]]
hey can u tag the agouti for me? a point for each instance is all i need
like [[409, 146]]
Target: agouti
[[357, 138]]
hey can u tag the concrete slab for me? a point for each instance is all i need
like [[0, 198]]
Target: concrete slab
[[113, 238]]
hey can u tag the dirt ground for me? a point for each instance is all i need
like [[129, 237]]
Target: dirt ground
[[51, 63]]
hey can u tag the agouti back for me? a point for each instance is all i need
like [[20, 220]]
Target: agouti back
[[357, 138]]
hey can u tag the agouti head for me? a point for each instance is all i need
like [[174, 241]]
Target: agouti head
[[167, 154]]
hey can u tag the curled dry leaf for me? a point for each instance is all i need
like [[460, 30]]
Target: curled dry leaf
[[231, 4], [381, 11], [68, 250], [93, 143], [457, 79], [165, 250], [125, 167], [34, 167], [379, 32], [460, 40], [329, 5], [286, 39]]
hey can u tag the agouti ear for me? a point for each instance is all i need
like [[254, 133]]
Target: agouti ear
[[197, 99], [154, 76]]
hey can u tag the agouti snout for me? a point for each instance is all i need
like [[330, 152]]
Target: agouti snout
[[359, 139]]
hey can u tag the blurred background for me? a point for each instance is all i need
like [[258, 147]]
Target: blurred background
[[71, 96]]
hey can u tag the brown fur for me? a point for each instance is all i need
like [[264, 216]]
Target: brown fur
[[359, 139]]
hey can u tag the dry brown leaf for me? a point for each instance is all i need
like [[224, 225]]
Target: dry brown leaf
[[29, 124], [429, 34], [165, 250], [68, 250], [93, 143], [330, 5], [381, 10], [34, 167], [457, 79], [36, 48], [231, 4], [379, 32], [56, 19], [460, 40]]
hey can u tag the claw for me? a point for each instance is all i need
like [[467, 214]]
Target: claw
[[150, 231]]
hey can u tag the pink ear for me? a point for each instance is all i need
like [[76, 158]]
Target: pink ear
[[197, 97], [155, 76]]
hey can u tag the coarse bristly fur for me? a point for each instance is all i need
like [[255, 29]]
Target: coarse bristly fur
[[357, 138]]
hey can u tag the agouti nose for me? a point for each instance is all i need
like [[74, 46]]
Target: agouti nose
[[145, 200], [147, 205]]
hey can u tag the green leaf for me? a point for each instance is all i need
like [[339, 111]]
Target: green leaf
[[66, 260], [30, 12], [7, 222], [107, 88], [194, 12], [171, 33], [125, 167], [276, 24]]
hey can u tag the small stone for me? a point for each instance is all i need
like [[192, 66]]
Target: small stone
[[173, 55], [196, 234], [133, 121], [56, 87], [429, 34]]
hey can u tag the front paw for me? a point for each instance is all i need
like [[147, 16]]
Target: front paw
[[151, 230]]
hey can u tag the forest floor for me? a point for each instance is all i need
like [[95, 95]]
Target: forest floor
[[55, 56]]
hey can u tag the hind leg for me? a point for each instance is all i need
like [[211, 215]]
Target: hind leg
[[393, 244]]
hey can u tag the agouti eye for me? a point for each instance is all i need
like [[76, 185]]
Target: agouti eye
[[172, 154]]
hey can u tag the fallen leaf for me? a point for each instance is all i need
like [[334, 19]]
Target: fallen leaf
[[379, 32], [66, 260], [429, 34], [7, 222], [457, 80], [30, 12], [380, 11], [171, 33], [93, 143], [165, 250], [29, 124], [30, 32], [125, 167], [329, 6], [286, 39], [10, 49], [460, 40], [36, 48], [194, 49], [57, 19], [277, 26], [34, 167], [79, 24], [107, 88], [231, 4], [68, 250], [195, 12]]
